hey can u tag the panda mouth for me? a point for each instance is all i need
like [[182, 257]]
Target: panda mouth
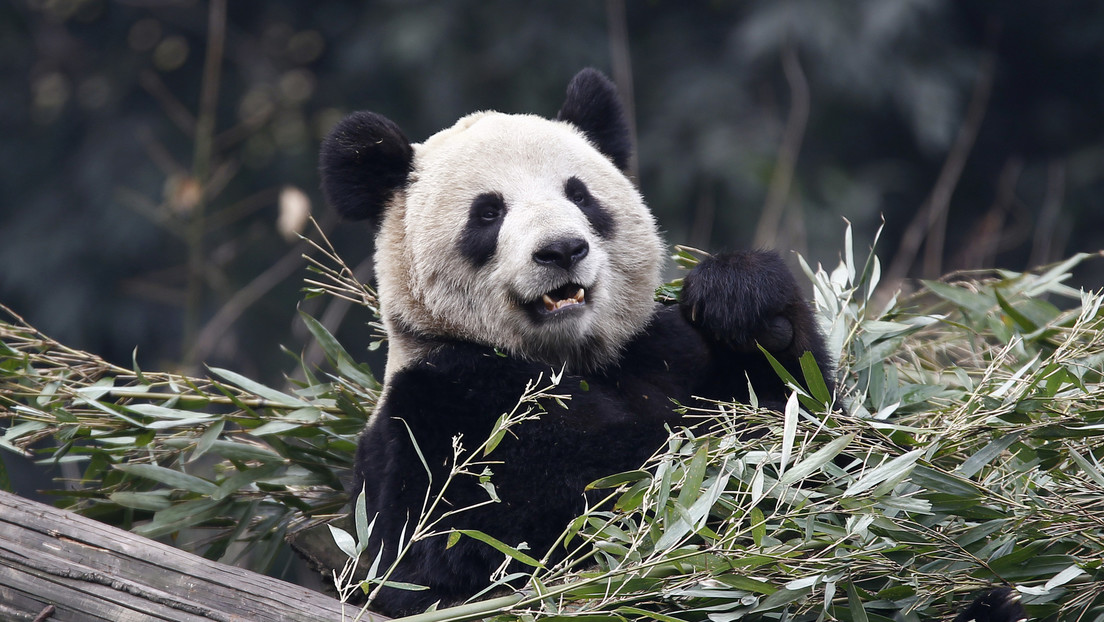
[[559, 300]]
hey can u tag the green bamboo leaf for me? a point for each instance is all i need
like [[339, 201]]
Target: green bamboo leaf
[[644, 613], [1064, 577], [986, 454], [169, 477], [258, 389], [207, 439], [1021, 320], [896, 468], [976, 303], [854, 603], [330, 346], [817, 459], [344, 541], [151, 501], [181, 516], [789, 431], [695, 474], [758, 526], [240, 479], [232, 450], [814, 379], [501, 547], [275, 427], [497, 434], [337, 355], [613, 481], [360, 521], [1089, 469]]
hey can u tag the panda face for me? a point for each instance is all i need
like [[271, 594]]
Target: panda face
[[515, 232]]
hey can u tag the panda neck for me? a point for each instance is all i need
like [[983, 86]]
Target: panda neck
[[407, 347]]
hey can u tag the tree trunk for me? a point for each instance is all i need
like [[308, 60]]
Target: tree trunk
[[85, 570]]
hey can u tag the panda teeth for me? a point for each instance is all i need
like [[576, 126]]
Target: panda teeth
[[555, 305]]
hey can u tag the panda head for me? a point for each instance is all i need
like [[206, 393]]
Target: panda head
[[511, 231]]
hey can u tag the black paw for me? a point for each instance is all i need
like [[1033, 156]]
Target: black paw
[[1000, 604], [741, 299]]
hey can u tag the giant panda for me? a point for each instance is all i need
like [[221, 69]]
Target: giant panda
[[515, 246]]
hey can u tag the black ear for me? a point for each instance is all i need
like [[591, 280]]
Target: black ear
[[593, 106], [363, 161]]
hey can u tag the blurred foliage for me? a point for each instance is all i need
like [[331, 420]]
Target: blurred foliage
[[124, 226]]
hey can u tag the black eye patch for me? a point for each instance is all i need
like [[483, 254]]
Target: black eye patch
[[479, 240], [576, 192]]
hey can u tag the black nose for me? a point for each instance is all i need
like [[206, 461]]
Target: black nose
[[564, 253]]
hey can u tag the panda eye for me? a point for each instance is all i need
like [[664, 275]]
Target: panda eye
[[577, 192], [488, 208], [600, 218]]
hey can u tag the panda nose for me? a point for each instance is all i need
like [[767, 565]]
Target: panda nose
[[565, 253]]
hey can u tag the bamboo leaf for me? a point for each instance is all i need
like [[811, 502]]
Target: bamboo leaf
[[169, 477], [789, 431], [816, 460], [258, 389], [501, 547], [344, 541], [896, 468]]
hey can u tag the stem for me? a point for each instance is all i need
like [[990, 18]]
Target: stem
[[766, 233], [201, 168]]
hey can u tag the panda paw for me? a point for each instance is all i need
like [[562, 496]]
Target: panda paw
[[742, 299], [1000, 604]]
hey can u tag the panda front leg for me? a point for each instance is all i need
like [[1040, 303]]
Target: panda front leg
[[1000, 604], [745, 299]]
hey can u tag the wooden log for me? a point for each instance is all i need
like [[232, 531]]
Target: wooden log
[[89, 571]]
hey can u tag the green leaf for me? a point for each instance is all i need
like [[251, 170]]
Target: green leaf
[[789, 431], [758, 526], [501, 547], [976, 303], [180, 516], [644, 613], [613, 481], [245, 477], [817, 459], [894, 469], [344, 541], [207, 439], [814, 379], [982, 457], [258, 389], [695, 474], [152, 501], [169, 477], [1020, 319], [854, 603]]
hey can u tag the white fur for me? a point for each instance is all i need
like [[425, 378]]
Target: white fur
[[428, 290]]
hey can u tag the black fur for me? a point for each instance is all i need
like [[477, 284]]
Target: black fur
[[1000, 604], [596, 213], [363, 161], [594, 106], [479, 240]]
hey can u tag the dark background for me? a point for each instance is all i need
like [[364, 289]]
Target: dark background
[[122, 227]]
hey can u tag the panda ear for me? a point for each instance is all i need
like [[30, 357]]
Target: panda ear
[[363, 161], [594, 106]]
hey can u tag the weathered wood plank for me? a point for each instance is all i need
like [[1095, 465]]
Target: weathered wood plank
[[90, 571]]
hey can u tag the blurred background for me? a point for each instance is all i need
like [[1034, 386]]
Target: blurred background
[[158, 157]]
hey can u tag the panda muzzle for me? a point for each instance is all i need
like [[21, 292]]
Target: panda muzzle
[[567, 296]]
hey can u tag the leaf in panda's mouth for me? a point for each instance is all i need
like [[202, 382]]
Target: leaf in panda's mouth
[[567, 296]]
